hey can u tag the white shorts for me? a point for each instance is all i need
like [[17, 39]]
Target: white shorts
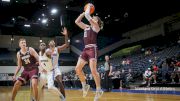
[[52, 75], [49, 77]]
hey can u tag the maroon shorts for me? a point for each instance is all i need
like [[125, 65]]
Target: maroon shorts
[[27, 75], [89, 53]]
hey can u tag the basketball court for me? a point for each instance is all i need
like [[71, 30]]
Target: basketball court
[[75, 95]]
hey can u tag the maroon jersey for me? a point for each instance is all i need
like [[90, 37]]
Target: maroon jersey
[[90, 36], [28, 61]]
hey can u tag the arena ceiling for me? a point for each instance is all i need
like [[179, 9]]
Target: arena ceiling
[[118, 15]]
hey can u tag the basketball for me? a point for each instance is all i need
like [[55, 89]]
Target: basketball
[[92, 8]]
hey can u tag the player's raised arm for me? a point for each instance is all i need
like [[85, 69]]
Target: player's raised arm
[[66, 44], [89, 18], [79, 22]]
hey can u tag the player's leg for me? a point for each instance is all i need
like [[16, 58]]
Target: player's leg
[[35, 88], [34, 82], [22, 79], [80, 64], [16, 87], [42, 82], [92, 54], [60, 84], [58, 78], [93, 67], [51, 86]]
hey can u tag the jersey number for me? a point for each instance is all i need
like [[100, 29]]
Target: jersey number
[[27, 61]]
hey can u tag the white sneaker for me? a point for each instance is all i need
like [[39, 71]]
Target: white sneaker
[[98, 95], [32, 99], [85, 90], [62, 98]]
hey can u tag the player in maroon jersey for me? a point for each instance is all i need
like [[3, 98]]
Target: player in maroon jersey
[[90, 51], [28, 58]]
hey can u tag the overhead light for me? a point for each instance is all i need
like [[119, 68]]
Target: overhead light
[[43, 14], [27, 25], [44, 5], [54, 11], [109, 15], [126, 15], [66, 6], [12, 39], [40, 40], [13, 19], [6, 0], [44, 21], [77, 41], [116, 19], [39, 19]]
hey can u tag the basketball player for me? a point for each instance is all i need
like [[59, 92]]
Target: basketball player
[[89, 53], [46, 69], [28, 58], [55, 51]]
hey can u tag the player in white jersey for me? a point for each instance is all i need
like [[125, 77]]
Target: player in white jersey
[[55, 51], [46, 71]]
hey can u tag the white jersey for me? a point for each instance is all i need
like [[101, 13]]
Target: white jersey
[[45, 62], [147, 73], [55, 57]]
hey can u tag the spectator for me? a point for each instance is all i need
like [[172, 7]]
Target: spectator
[[122, 78], [164, 70], [178, 70], [147, 76], [155, 71], [128, 77], [172, 72]]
